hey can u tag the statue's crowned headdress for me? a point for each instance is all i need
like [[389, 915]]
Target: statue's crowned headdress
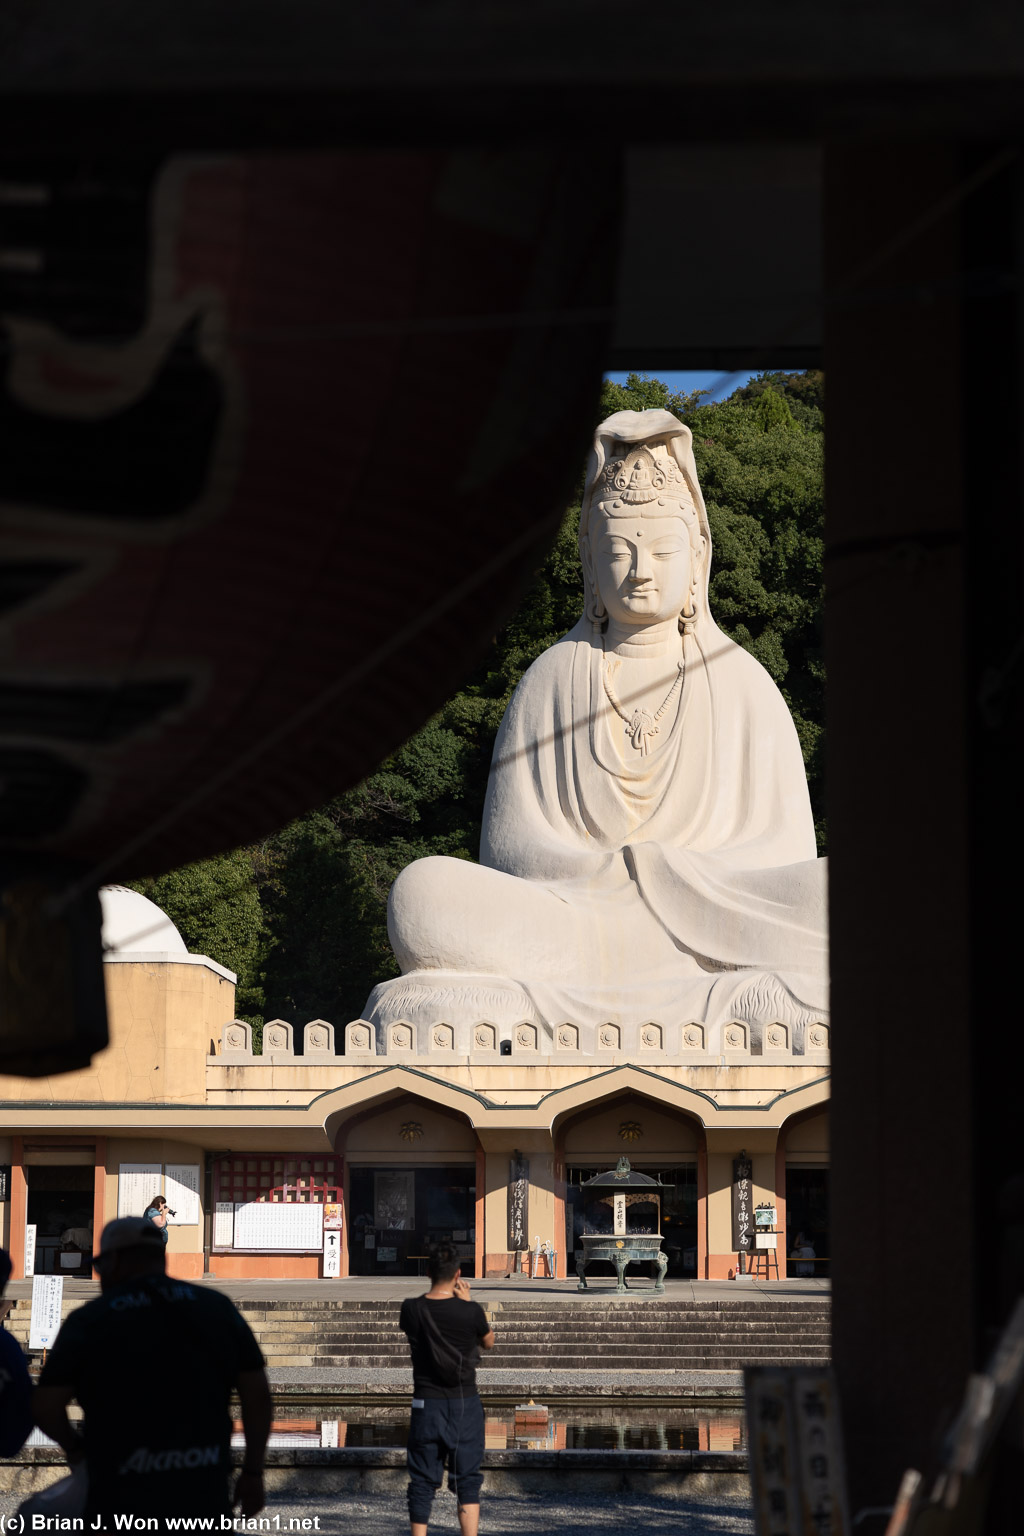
[[638, 478]]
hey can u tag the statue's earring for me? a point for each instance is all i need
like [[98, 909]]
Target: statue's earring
[[687, 619]]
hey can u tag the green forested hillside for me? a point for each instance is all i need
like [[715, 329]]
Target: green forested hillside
[[301, 917]]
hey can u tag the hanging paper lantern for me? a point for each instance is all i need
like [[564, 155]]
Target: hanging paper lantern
[[285, 436]]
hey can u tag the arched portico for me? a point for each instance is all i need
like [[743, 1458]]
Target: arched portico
[[802, 1184], [412, 1178], [659, 1138]]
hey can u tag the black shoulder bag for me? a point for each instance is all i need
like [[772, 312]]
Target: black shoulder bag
[[445, 1360]]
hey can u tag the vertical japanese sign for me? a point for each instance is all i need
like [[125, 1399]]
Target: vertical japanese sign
[[332, 1254], [47, 1300], [797, 1479], [742, 1204], [518, 1203], [772, 1462], [30, 1250], [820, 1455]]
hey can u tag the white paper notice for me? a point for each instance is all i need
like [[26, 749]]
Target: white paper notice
[[181, 1190], [30, 1251], [137, 1183], [224, 1224], [260, 1224], [47, 1299]]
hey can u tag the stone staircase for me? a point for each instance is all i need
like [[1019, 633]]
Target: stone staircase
[[565, 1335], [570, 1334]]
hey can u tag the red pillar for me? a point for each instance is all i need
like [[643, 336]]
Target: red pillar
[[19, 1207], [702, 1208], [99, 1182], [344, 1265], [478, 1215], [558, 1175], [780, 1201]]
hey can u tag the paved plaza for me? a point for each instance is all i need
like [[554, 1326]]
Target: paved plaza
[[541, 1515], [488, 1292]]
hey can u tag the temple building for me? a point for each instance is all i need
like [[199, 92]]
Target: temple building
[[637, 964], [394, 1140]]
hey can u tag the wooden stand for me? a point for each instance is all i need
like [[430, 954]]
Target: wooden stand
[[770, 1256]]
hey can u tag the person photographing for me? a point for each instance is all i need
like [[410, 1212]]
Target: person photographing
[[446, 1332], [157, 1211]]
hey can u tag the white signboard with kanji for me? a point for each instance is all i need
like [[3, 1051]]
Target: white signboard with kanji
[[224, 1224], [47, 1300], [181, 1191], [265, 1224], [137, 1183]]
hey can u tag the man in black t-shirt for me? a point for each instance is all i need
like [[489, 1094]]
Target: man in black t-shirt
[[152, 1363], [446, 1332], [15, 1383]]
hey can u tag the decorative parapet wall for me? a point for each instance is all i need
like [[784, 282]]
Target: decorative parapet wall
[[735, 1043]]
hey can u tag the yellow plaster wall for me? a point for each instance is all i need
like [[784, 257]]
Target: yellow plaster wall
[[596, 1134], [723, 1146], [381, 1133], [163, 1017], [132, 1149], [809, 1135], [536, 1146], [505, 1082]]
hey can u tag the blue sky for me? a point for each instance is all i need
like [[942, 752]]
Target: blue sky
[[720, 384]]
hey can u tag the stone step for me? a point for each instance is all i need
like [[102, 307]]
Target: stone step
[[526, 1364], [648, 1321], [589, 1347], [575, 1301], [509, 1332], [607, 1346]]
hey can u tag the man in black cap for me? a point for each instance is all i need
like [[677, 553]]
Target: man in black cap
[[15, 1385], [152, 1362]]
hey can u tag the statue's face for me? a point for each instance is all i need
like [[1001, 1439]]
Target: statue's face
[[642, 567]]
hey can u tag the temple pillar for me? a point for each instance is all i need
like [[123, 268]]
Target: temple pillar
[[898, 799]]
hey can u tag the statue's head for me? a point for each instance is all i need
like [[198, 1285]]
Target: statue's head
[[643, 511]]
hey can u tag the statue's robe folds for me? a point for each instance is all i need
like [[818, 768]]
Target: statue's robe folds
[[678, 886]]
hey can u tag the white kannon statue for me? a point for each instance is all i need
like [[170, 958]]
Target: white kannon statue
[[647, 850]]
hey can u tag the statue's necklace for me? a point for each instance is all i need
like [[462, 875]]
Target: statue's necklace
[[641, 725]]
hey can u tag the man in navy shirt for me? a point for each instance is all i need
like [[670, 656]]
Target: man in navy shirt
[[152, 1363], [446, 1332], [15, 1385]]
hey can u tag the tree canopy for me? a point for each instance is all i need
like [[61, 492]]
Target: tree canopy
[[302, 916]]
